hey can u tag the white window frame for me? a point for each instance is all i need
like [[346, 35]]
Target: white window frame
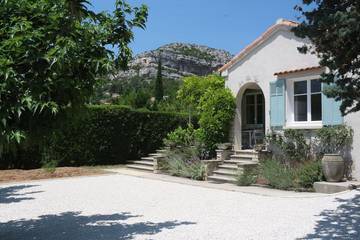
[[290, 112]]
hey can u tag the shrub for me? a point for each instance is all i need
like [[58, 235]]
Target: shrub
[[309, 173], [217, 109], [185, 163], [182, 137], [247, 177], [113, 134], [104, 134], [214, 104], [197, 170], [334, 139], [290, 147], [277, 174]]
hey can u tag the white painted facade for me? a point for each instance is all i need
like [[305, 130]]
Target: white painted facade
[[255, 68]]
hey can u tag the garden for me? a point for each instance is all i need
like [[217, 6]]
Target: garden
[[51, 111], [295, 158]]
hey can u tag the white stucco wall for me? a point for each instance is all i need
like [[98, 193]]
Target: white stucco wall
[[276, 54], [353, 120]]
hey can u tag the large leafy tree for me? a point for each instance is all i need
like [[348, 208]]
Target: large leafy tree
[[52, 55], [333, 26], [213, 103]]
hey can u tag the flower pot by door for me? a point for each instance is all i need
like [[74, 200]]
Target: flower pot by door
[[333, 166]]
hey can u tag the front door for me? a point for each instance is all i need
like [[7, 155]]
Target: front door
[[253, 115]]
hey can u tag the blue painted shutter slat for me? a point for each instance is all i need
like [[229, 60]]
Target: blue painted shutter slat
[[331, 110], [277, 103]]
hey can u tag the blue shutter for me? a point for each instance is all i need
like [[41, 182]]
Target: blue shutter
[[331, 110], [277, 103]]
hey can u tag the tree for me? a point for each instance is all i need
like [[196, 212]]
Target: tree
[[217, 109], [159, 88], [334, 29], [194, 87], [213, 103], [52, 55]]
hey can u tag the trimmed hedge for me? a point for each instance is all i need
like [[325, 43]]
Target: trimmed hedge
[[105, 134]]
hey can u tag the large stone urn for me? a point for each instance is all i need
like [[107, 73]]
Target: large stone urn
[[333, 166]]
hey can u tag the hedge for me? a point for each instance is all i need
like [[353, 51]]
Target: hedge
[[105, 134]]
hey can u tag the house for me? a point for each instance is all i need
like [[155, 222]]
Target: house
[[276, 88]]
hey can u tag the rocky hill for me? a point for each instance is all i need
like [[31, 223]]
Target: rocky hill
[[178, 60]]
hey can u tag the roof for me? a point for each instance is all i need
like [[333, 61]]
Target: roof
[[258, 41], [298, 70]]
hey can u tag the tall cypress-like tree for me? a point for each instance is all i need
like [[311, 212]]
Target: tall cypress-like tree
[[159, 88], [334, 29]]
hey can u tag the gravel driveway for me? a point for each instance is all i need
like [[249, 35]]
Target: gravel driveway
[[126, 207]]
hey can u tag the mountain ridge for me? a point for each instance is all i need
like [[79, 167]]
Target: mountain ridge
[[178, 60]]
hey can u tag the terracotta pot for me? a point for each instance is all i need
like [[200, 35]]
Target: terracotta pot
[[333, 166]]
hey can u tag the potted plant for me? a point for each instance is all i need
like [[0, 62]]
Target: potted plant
[[259, 147], [224, 146], [334, 142]]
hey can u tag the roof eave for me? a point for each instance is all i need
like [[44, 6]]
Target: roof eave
[[268, 33]]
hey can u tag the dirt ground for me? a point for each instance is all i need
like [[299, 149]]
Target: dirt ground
[[25, 175]]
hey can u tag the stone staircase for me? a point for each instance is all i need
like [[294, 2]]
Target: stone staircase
[[146, 163], [237, 162]]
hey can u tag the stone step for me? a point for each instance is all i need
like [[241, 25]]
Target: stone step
[[238, 161], [161, 151], [228, 166], [248, 164], [149, 159], [222, 178], [154, 154], [243, 156], [248, 152], [140, 167], [231, 162], [146, 163], [227, 172]]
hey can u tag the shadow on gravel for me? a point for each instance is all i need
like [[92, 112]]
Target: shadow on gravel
[[342, 223], [13, 194], [71, 225]]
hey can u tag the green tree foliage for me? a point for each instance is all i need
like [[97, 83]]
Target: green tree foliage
[[52, 53], [213, 103], [216, 113], [194, 87], [334, 29], [159, 88], [104, 134]]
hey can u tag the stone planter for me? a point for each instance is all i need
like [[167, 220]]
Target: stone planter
[[333, 166], [224, 146]]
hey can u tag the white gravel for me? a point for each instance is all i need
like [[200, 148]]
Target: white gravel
[[125, 207]]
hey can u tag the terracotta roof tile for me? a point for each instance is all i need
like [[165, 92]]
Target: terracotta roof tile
[[298, 70]]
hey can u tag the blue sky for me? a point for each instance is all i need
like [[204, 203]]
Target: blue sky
[[223, 24]]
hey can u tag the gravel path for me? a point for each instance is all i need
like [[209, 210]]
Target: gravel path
[[124, 207]]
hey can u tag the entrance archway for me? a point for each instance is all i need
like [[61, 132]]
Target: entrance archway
[[249, 127]]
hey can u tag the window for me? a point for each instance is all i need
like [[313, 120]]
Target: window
[[250, 109], [316, 109], [254, 108], [300, 101], [307, 101]]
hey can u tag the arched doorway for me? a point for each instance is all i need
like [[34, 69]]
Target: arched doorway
[[253, 118], [250, 120]]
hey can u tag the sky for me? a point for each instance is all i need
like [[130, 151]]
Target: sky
[[222, 24]]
